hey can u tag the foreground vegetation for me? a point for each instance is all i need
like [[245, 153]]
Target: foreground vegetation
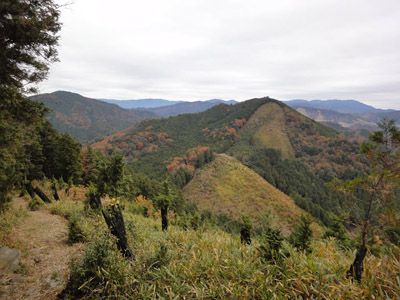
[[209, 263]]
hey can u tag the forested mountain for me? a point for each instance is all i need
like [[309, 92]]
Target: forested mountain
[[264, 134], [87, 119], [348, 114]]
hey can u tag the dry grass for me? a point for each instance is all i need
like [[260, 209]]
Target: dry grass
[[226, 186], [203, 264], [269, 129], [211, 264]]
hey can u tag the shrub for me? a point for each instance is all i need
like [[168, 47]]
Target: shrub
[[35, 203], [245, 231], [393, 235], [338, 231], [66, 208], [100, 273], [75, 231], [301, 235], [161, 258], [271, 245]]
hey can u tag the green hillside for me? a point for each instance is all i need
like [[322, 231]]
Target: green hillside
[[87, 119], [292, 152], [152, 144], [227, 187]]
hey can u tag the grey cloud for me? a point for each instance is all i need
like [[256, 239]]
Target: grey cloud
[[231, 49]]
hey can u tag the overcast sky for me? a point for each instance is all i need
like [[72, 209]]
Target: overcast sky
[[202, 49]]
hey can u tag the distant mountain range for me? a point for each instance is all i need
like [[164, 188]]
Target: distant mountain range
[[188, 107], [341, 106], [88, 119], [141, 103], [348, 114], [181, 106]]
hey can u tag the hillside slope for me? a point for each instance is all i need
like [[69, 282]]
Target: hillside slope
[[225, 186], [238, 130], [266, 128], [347, 121], [277, 126], [152, 144], [341, 106], [292, 152], [88, 119]]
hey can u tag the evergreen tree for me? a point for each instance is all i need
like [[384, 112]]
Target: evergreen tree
[[379, 187], [28, 40], [163, 201], [271, 246], [301, 235]]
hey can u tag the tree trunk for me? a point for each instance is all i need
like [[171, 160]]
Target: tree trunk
[[356, 269], [30, 190], [55, 193], [245, 237], [42, 195], [94, 201], [115, 222], [164, 218]]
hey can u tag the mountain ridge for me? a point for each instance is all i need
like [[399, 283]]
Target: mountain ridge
[[349, 114], [262, 133], [85, 118], [151, 103]]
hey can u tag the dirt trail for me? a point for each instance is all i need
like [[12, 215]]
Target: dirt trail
[[45, 256]]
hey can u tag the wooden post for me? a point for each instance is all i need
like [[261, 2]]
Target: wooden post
[[164, 218], [115, 222], [245, 237], [357, 268], [94, 201], [30, 190], [55, 193], [41, 194]]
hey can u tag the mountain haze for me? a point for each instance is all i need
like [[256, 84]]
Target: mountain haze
[[349, 114], [141, 103], [169, 107], [342, 106], [188, 107]]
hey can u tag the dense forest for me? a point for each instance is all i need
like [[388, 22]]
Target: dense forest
[[293, 208]]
